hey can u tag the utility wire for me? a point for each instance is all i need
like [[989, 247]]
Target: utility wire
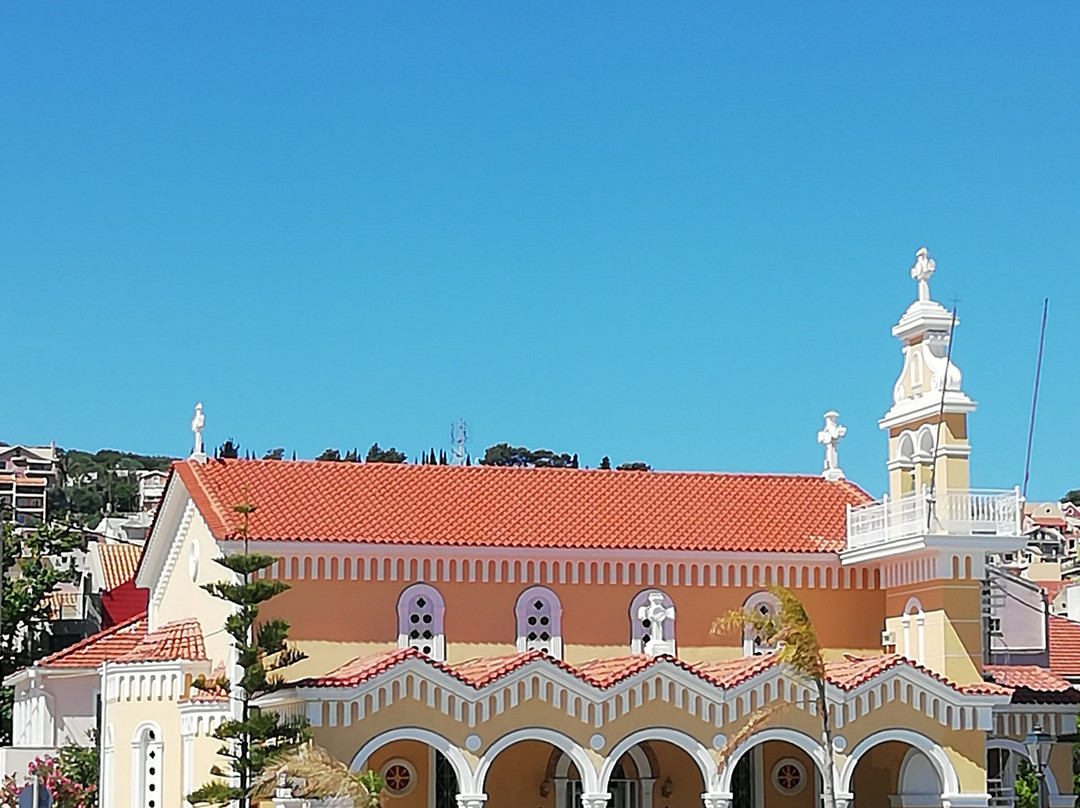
[[941, 419], [1035, 397]]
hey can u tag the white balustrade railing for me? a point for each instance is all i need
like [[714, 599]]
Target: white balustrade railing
[[947, 513]]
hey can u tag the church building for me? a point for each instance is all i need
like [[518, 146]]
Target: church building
[[493, 636]]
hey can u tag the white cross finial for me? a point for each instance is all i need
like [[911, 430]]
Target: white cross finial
[[197, 424], [830, 436], [922, 270]]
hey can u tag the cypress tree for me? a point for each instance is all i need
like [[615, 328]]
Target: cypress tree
[[257, 738]]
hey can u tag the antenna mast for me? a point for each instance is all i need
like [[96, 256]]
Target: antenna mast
[[1035, 397], [459, 436], [941, 420]]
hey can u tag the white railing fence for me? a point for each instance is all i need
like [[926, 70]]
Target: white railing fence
[[947, 513]]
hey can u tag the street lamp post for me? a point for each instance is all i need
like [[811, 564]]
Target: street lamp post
[[1039, 745]]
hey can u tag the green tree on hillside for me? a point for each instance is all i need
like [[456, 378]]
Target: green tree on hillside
[[391, 455], [34, 561]]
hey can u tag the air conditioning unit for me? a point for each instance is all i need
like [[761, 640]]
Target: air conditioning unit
[[888, 638]]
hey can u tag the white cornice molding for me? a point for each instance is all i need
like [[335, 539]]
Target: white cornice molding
[[926, 406]]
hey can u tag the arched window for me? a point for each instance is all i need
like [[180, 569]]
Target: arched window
[[420, 621], [913, 623], [538, 615], [146, 747], [916, 370], [766, 605], [652, 623]]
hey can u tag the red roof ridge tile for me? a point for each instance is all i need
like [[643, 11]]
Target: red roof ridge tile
[[135, 625], [176, 640]]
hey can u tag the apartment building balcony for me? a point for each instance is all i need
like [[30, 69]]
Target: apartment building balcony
[[975, 519]]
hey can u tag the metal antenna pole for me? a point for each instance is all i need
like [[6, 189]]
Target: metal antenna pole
[[941, 419], [1035, 397]]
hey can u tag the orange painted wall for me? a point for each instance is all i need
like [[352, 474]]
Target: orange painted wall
[[593, 614]]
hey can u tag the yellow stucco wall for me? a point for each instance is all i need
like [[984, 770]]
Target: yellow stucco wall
[[184, 598]]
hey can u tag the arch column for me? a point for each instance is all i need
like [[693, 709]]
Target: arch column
[[471, 800], [717, 800]]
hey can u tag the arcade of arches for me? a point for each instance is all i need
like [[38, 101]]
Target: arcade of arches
[[545, 735]]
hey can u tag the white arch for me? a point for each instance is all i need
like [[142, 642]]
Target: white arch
[[636, 753], [797, 739], [950, 783], [687, 743], [905, 446], [575, 751], [1020, 749], [926, 441], [137, 735], [434, 740]]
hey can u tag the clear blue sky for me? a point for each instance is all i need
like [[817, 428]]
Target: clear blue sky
[[674, 233]]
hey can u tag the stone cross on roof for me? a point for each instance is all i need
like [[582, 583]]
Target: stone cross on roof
[[921, 272], [830, 436]]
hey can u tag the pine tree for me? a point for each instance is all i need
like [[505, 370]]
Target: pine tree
[[605, 463], [256, 739]]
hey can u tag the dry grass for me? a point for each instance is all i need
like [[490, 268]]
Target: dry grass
[[323, 777]]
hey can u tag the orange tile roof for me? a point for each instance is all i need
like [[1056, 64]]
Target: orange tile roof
[[181, 639], [58, 600], [1030, 676], [522, 507], [1064, 639], [604, 673], [118, 563], [110, 644]]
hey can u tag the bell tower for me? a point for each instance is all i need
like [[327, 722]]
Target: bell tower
[[927, 391]]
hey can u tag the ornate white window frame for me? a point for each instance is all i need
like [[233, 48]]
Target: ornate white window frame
[[421, 611], [538, 618], [642, 639], [148, 756], [764, 603]]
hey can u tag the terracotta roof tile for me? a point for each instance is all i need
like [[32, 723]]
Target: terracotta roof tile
[[181, 639], [522, 507], [1064, 639], [118, 563], [59, 601], [604, 673], [1030, 676], [110, 644]]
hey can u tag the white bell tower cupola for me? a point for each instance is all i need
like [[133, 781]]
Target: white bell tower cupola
[[927, 379]]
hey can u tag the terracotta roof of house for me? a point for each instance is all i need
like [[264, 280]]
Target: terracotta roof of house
[[181, 639], [1033, 685], [110, 644], [604, 673], [1064, 639], [521, 507], [118, 563], [1029, 676], [1053, 588], [58, 600]]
